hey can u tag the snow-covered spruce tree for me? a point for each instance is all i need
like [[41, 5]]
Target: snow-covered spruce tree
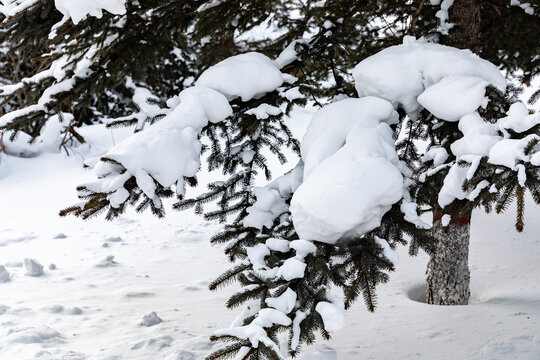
[[287, 279], [281, 290], [333, 219]]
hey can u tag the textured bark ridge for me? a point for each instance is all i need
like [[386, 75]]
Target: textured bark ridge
[[466, 17], [448, 269]]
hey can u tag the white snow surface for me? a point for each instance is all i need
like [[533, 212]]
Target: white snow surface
[[436, 153], [453, 185], [292, 268], [263, 111], [508, 152], [442, 15], [166, 265], [332, 312], [479, 139], [169, 150], [388, 252], [351, 177], [451, 84], [288, 55]]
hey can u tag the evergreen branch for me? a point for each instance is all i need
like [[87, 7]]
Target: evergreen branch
[[505, 199], [352, 293], [520, 192], [228, 276]]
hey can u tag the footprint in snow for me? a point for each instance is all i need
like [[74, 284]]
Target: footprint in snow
[[56, 309], [107, 262], [53, 309], [17, 240], [154, 343], [192, 288], [114, 239], [320, 353], [34, 335], [494, 347], [139, 295], [185, 355], [15, 264], [74, 311], [59, 354], [26, 311]]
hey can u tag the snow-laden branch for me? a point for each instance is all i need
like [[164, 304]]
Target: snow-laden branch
[[169, 150]]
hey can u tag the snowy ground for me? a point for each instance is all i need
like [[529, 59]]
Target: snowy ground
[[91, 308]]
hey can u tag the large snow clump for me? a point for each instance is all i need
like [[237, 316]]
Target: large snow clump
[[351, 178], [400, 74]]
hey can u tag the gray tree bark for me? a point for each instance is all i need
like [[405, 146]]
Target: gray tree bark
[[467, 20], [448, 272]]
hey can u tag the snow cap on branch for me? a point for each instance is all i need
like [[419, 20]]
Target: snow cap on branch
[[78, 10], [351, 178], [401, 73], [169, 150], [246, 76]]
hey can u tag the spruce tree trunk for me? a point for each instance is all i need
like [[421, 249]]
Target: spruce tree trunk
[[448, 273], [448, 269], [467, 20]]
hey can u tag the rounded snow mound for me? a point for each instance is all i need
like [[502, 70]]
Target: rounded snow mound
[[401, 73], [246, 76], [351, 178]]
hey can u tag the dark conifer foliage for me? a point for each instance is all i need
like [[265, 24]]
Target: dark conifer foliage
[[148, 45]]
